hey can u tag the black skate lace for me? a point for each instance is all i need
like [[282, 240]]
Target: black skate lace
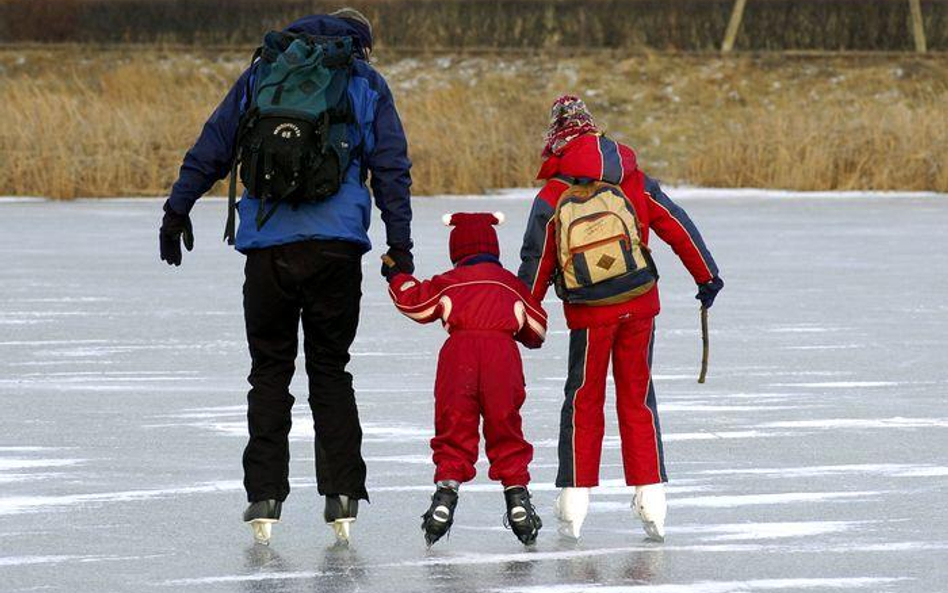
[[530, 519], [437, 501]]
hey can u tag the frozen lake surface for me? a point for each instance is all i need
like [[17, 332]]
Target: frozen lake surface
[[814, 459]]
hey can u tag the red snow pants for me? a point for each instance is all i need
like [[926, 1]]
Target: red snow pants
[[480, 374], [582, 422]]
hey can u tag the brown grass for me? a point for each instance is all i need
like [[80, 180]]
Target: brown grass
[[104, 123], [863, 145], [86, 131], [468, 139]]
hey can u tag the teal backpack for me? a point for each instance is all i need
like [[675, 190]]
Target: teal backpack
[[293, 143]]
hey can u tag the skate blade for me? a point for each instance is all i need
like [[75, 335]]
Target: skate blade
[[341, 528], [653, 533], [569, 530], [433, 538], [262, 530]]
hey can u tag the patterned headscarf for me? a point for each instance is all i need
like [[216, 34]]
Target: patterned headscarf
[[569, 118]]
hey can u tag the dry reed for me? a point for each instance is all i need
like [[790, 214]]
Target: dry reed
[[860, 146], [99, 123]]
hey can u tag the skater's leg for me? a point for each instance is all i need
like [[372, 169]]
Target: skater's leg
[[272, 317], [454, 446], [457, 412], [501, 396], [642, 453], [582, 423], [332, 289]]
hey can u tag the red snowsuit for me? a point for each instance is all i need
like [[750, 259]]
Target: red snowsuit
[[623, 332], [484, 308]]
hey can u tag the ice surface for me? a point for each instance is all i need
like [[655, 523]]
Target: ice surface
[[721, 586], [812, 460]]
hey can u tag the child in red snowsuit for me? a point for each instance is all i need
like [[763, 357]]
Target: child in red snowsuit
[[485, 309], [618, 329]]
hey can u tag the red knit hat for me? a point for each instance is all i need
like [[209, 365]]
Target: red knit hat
[[569, 119], [473, 234]]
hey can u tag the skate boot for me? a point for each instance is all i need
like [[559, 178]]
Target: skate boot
[[437, 520], [261, 516], [570, 508], [521, 517], [340, 512], [648, 504]]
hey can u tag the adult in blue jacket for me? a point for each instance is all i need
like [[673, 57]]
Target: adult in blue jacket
[[305, 264]]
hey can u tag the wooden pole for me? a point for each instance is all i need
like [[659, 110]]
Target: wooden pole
[[735, 24], [918, 30], [705, 346]]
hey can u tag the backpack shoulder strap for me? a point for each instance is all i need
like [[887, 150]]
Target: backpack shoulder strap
[[247, 105]]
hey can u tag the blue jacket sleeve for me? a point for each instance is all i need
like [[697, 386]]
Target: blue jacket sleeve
[[391, 171], [209, 160]]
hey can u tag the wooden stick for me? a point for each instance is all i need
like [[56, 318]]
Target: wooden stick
[[705, 346], [734, 25], [918, 29]]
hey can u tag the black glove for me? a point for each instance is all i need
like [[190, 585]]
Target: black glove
[[709, 290], [397, 261], [173, 227]]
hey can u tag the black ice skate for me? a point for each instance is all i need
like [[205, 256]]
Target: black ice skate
[[437, 521], [521, 517], [261, 516], [340, 512]]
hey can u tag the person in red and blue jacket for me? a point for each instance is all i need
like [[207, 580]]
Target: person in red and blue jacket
[[304, 265], [622, 332], [484, 309]]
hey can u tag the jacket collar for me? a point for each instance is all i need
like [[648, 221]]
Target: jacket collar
[[480, 258]]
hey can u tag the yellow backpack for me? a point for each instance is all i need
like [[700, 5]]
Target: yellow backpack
[[602, 259]]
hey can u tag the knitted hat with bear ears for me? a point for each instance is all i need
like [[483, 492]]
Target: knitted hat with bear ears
[[473, 234]]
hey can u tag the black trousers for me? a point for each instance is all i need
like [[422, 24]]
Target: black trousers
[[318, 282]]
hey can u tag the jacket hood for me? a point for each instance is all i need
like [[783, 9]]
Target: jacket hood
[[330, 26], [591, 156]]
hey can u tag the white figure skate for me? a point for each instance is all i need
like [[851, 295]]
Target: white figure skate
[[649, 506], [570, 508]]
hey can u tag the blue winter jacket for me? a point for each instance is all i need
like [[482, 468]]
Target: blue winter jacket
[[345, 216]]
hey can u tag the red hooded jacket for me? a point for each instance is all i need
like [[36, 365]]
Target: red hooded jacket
[[594, 156]]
